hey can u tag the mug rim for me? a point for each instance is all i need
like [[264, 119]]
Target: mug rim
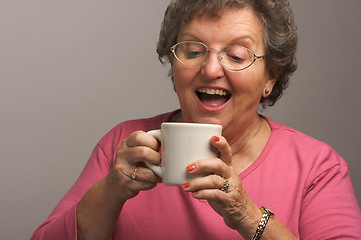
[[192, 124]]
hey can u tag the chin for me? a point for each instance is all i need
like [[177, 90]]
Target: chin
[[209, 118]]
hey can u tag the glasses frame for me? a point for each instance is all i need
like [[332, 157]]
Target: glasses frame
[[219, 54]]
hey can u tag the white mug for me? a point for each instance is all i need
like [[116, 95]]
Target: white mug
[[181, 145]]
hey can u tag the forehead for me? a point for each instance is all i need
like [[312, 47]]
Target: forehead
[[232, 25]]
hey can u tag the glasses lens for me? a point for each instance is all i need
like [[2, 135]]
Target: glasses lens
[[190, 53], [236, 57]]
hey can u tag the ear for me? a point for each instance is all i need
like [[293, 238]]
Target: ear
[[268, 87]]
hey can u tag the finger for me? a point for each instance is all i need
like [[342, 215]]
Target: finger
[[133, 168], [122, 184], [206, 166], [211, 195], [140, 154], [138, 147], [140, 138], [201, 183], [144, 174], [225, 151], [136, 186], [210, 188]]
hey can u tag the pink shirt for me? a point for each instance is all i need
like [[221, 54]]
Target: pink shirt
[[303, 181]]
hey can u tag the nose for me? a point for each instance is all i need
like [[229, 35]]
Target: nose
[[211, 67]]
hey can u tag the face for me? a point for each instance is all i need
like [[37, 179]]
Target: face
[[210, 93]]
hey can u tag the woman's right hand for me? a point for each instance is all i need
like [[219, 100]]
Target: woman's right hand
[[131, 154], [99, 209]]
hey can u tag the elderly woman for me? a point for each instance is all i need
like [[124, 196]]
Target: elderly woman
[[227, 58]]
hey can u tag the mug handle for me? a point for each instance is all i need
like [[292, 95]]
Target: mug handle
[[154, 167]]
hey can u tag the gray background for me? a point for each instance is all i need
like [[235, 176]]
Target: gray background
[[71, 70]]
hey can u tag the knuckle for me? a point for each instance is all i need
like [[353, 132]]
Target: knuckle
[[213, 179], [144, 152], [225, 169], [219, 165], [121, 159], [138, 136], [122, 147], [134, 139], [148, 175]]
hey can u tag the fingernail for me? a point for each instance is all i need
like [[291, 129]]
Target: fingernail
[[194, 193], [216, 139], [185, 185], [191, 167]]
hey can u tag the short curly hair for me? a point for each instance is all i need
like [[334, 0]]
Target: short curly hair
[[279, 35]]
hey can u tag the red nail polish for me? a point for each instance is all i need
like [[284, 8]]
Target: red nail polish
[[185, 185], [191, 167], [216, 139]]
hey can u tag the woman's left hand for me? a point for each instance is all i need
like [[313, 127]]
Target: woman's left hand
[[233, 203]]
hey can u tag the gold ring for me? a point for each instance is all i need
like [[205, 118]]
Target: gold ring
[[225, 185], [134, 176]]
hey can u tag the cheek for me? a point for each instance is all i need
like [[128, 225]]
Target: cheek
[[240, 81], [248, 82], [182, 75]]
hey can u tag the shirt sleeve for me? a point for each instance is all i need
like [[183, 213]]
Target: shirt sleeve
[[62, 223], [330, 209]]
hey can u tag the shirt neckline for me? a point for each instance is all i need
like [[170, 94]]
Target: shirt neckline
[[263, 156]]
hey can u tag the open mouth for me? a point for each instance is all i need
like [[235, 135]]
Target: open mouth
[[213, 97]]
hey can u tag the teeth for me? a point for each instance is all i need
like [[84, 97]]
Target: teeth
[[212, 91]]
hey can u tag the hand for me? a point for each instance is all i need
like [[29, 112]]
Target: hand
[[130, 157], [233, 204]]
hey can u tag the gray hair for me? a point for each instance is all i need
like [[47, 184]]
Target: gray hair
[[279, 35]]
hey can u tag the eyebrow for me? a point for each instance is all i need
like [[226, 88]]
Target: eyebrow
[[188, 37], [245, 41]]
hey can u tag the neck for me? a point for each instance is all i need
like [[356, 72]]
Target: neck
[[252, 136], [248, 147]]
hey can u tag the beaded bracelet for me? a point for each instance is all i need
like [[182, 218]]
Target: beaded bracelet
[[266, 214]]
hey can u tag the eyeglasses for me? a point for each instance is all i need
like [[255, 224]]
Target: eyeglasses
[[232, 57]]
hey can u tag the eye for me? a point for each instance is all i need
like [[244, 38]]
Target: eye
[[193, 54], [236, 54], [194, 51], [235, 58]]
